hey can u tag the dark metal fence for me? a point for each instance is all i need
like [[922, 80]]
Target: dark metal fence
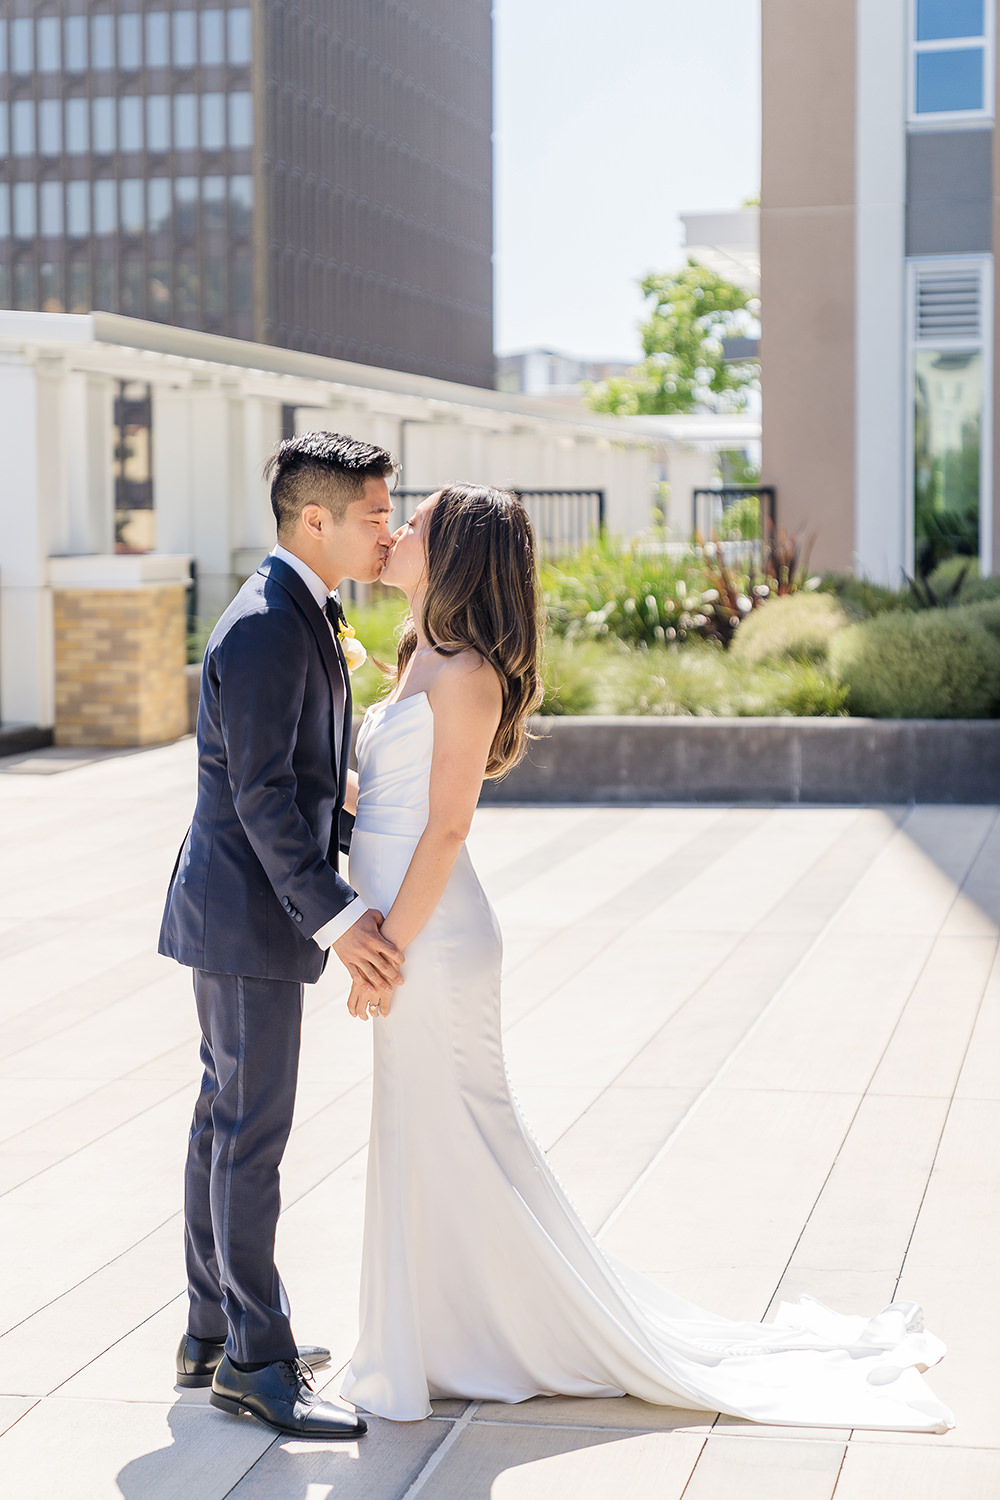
[[708, 509], [563, 520]]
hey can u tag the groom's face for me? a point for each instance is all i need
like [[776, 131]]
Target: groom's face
[[360, 543]]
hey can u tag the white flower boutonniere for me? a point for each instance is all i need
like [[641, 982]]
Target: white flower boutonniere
[[355, 654]]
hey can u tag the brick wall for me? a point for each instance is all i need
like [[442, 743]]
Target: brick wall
[[120, 656]]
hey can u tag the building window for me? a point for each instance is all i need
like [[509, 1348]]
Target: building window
[[132, 213], [76, 44], [130, 40], [158, 122], [22, 45], [132, 284], [241, 205], [50, 127], [213, 38], [213, 197], [104, 126], [77, 127], [22, 127], [4, 211], [51, 287], [160, 195], [185, 38], [186, 122], [51, 207], [4, 132], [186, 206], [79, 282], [105, 208], [950, 429], [213, 121], [78, 209], [951, 72], [157, 39], [25, 284], [240, 37], [130, 122], [102, 41], [241, 119], [24, 210], [49, 49], [135, 529]]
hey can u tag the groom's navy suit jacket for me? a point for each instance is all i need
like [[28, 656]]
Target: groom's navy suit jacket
[[257, 875]]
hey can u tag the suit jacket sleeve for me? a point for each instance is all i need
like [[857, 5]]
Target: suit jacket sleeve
[[261, 668]]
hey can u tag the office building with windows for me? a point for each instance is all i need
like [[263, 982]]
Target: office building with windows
[[879, 225], [316, 175]]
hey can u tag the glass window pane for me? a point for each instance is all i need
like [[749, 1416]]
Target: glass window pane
[[4, 128], [240, 36], [79, 284], [937, 19], [159, 291], [78, 208], [52, 287], [4, 211], [186, 204], [213, 37], [131, 287], [130, 122], [104, 125], [241, 201], [241, 119], [105, 207], [24, 210], [185, 38], [158, 122], [185, 122], [242, 293], [102, 41], [76, 43], [948, 395], [22, 45], [50, 127], [950, 80], [49, 50], [3, 44], [159, 203], [157, 39], [215, 285], [51, 207], [188, 290], [130, 40], [77, 127], [22, 127], [25, 288], [213, 121], [133, 217]]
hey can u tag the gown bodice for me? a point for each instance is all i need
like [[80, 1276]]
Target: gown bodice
[[395, 745]]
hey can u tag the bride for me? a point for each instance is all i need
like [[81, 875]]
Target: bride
[[478, 1279]]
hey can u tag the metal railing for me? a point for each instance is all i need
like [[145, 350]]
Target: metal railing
[[708, 509], [563, 520]]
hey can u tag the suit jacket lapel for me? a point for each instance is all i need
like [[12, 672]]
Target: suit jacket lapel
[[330, 651]]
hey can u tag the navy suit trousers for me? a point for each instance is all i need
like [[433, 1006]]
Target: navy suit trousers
[[251, 1030]]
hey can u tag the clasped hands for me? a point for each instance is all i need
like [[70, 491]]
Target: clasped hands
[[373, 962]]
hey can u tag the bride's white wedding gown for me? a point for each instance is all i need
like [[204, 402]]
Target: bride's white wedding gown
[[478, 1279]]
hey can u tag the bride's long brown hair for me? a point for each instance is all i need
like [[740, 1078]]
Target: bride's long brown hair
[[482, 593]]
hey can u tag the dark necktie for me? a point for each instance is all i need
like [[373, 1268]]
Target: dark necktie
[[334, 611]]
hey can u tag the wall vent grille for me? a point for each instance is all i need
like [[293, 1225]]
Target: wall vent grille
[[948, 305]]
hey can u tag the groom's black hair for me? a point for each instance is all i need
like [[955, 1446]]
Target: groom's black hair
[[324, 468]]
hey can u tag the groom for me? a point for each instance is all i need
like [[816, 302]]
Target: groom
[[255, 903]]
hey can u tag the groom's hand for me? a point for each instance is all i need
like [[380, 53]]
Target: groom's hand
[[365, 952]]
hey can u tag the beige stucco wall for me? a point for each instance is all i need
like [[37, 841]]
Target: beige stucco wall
[[807, 269]]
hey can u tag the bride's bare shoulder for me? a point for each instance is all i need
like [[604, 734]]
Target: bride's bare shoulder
[[470, 677]]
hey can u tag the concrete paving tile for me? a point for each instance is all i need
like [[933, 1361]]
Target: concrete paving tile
[[384, 1463], [25, 1102], [110, 1450], [693, 1043], [505, 1462], [12, 1409], [78, 1001], [959, 1223], [814, 899], [894, 1471], [926, 1051], [867, 1208], [829, 1025], [980, 1075], [622, 1413], [550, 1111], [795, 1470], [612, 1142]]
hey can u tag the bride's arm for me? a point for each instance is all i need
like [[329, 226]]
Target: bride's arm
[[466, 701]]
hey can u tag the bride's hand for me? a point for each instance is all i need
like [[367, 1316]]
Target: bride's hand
[[365, 1001]]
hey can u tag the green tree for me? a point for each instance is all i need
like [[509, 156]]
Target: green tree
[[693, 310]]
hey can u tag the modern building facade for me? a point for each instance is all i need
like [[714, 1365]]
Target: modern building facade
[[879, 225], [316, 175]]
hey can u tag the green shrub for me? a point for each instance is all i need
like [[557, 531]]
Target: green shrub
[[642, 598], [934, 664], [794, 627], [975, 589], [375, 626], [705, 681], [862, 597], [571, 676]]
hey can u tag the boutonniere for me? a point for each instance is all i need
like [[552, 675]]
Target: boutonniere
[[355, 654]]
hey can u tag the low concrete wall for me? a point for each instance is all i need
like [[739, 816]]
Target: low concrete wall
[[756, 760], [747, 760]]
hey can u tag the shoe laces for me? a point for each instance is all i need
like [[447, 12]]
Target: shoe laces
[[299, 1372]]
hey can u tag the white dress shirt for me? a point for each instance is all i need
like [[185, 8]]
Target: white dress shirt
[[338, 925]]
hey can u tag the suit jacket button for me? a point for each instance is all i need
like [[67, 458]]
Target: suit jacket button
[[298, 916], [285, 902]]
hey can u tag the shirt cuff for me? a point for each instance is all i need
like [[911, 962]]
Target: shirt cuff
[[338, 925]]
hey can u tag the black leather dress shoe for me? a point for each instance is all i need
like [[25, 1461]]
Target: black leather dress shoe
[[282, 1397], [198, 1360]]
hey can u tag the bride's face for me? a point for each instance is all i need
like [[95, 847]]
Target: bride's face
[[406, 567]]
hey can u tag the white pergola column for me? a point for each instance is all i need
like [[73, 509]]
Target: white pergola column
[[26, 650]]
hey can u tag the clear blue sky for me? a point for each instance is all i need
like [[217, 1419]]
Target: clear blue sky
[[612, 117]]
